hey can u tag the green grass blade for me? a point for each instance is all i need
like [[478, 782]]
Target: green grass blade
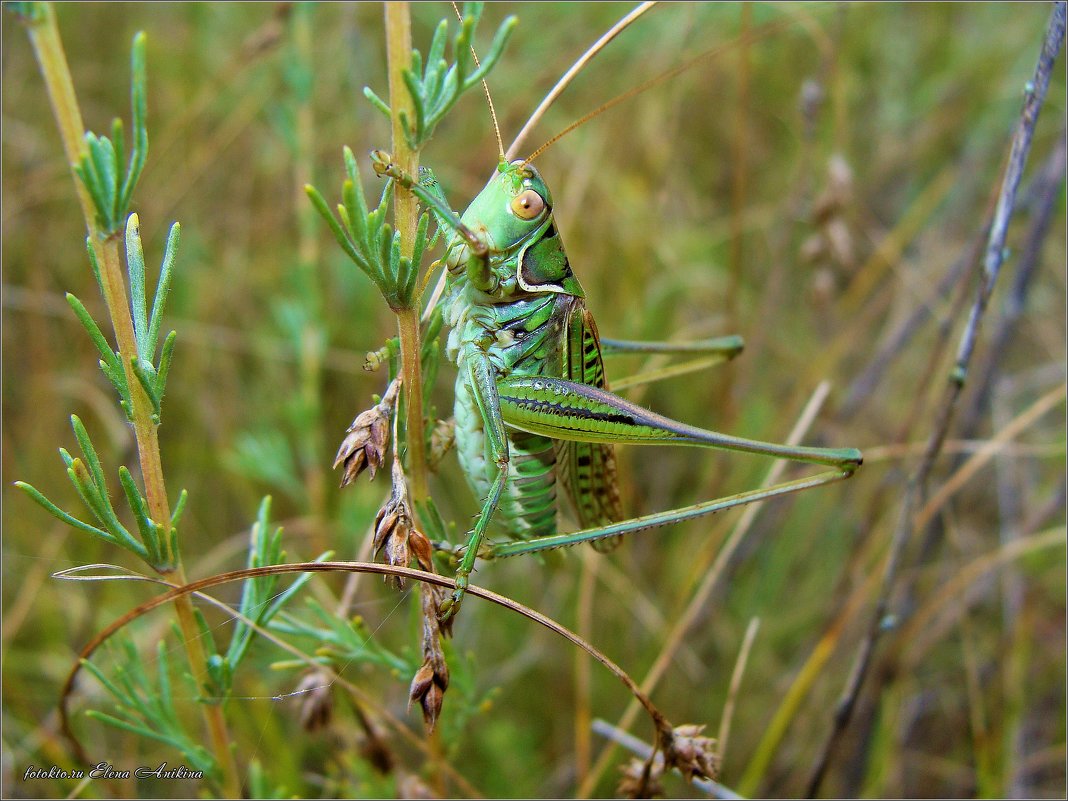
[[166, 356], [145, 524], [179, 507], [102, 157], [335, 227], [500, 41], [376, 101], [146, 377]]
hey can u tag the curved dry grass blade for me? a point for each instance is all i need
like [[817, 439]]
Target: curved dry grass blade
[[81, 573], [753, 35], [359, 696], [661, 723], [569, 76]]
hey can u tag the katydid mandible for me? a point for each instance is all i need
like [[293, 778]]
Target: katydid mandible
[[532, 407]]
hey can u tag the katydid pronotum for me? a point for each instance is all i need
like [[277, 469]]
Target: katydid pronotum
[[532, 407]]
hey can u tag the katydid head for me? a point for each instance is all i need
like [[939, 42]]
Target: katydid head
[[513, 214], [514, 206]]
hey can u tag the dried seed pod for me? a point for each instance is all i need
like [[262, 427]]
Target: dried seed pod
[[422, 550], [396, 537], [692, 753], [364, 446], [432, 679], [641, 779], [428, 689], [393, 526]]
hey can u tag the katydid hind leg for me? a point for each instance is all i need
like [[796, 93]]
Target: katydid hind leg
[[622, 528], [567, 410]]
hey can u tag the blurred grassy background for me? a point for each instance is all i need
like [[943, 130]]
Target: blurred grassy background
[[810, 190]]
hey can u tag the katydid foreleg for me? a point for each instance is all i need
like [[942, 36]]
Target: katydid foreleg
[[483, 384]]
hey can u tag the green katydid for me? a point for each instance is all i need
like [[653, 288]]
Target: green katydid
[[532, 408]]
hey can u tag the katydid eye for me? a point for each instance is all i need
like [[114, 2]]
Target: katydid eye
[[527, 205]]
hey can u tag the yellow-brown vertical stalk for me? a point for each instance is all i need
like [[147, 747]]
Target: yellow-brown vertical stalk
[[48, 48], [406, 216]]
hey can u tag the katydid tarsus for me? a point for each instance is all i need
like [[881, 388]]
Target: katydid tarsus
[[532, 408]]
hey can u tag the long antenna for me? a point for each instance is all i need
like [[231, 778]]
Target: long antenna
[[485, 88], [568, 76], [754, 34]]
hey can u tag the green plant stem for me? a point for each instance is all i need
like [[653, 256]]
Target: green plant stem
[[48, 48], [406, 215], [109, 257]]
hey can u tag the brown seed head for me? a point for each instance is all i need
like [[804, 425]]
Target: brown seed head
[[641, 779], [364, 446], [693, 754], [393, 528], [422, 550], [428, 688]]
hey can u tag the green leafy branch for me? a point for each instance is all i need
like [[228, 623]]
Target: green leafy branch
[[152, 377], [259, 601], [158, 544], [104, 170], [149, 711], [369, 241], [157, 541], [436, 88], [365, 236]]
